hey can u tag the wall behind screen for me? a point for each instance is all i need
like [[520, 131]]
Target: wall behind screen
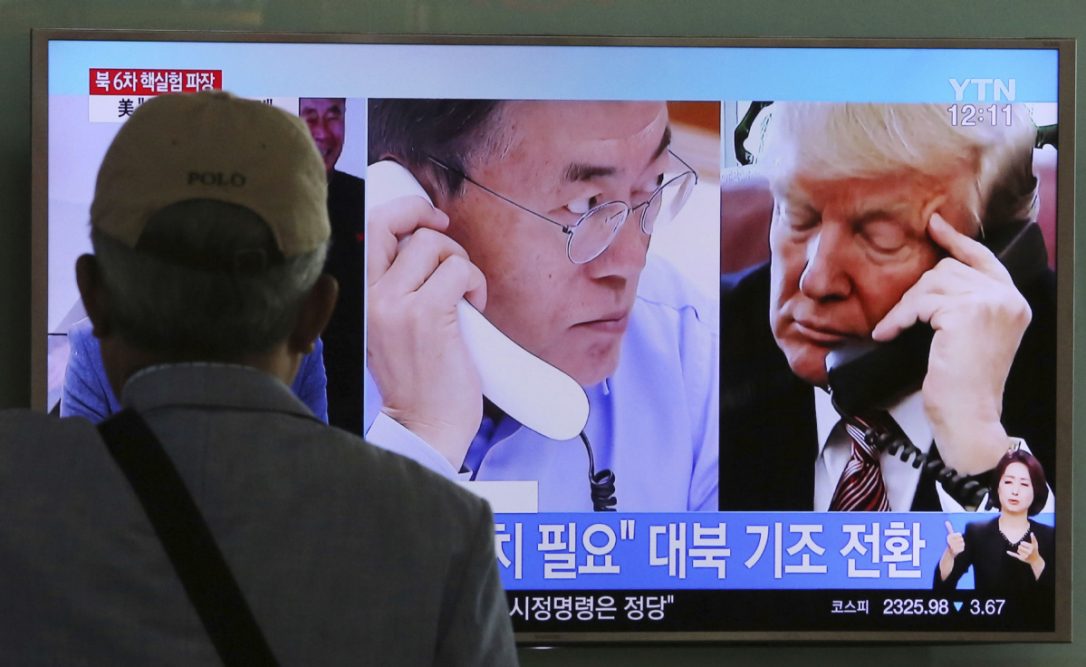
[[752, 18]]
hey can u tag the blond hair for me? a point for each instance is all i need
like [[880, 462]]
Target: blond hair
[[844, 140]]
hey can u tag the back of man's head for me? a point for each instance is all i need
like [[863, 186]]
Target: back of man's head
[[209, 224]]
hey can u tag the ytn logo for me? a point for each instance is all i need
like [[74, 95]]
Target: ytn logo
[[1001, 90], [235, 180]]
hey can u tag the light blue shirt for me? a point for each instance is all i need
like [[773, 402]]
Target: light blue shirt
[[87, 393], [654, 422]]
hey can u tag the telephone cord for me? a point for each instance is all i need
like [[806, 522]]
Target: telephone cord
[[601, 484], [967, 491]]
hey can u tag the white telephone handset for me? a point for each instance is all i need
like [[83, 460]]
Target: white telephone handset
[[528, 389]]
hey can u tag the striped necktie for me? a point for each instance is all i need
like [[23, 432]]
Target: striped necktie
[[861, 488]]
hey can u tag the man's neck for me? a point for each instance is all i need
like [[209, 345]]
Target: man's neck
[[122, 360]]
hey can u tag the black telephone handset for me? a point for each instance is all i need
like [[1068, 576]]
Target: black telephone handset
[[866, 374]]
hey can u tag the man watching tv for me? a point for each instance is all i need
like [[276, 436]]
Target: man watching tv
[[209, 226], [329, 381], [880, 213]]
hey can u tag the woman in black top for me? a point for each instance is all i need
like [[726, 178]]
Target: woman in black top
[[1010, 552]]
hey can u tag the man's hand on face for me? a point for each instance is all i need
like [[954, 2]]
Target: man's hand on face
[[979, 318], [416, 275]]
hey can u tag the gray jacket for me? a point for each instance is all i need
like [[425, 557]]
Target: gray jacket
[[347, 554]]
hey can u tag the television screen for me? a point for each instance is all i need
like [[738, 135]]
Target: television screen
[[863, 435]]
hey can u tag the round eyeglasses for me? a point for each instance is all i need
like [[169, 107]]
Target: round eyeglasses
[[591, 234]]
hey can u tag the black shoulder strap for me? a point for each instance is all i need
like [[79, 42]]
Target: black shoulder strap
[[189, 544]]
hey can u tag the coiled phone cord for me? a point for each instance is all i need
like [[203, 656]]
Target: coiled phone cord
[[601, 484], [966, 490]]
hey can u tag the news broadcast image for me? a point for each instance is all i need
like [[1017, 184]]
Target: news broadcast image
[[857, 436]]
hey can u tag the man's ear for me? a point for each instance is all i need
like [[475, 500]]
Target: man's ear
[[92, 289], [314, 314], [428, 178], [932, 207], [427, 175], [433, 181], [955, 212]]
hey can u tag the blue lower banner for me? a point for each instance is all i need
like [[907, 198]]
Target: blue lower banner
[[726, 550]]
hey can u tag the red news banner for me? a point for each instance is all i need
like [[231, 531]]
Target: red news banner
[[149, 82], [116, 93]]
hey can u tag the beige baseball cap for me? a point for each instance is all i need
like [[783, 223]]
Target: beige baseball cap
[[213, 145]]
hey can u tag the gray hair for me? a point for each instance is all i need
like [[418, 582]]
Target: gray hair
[[205, 279], [459, 133], [839, 141]]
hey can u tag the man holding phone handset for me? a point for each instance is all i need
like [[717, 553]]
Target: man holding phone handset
[[877, 212], [594, 305]]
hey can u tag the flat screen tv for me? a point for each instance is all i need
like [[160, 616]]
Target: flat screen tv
[[863, 435]]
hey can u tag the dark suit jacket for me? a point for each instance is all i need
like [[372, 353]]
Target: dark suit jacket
[[343, 353], [768, 441]]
